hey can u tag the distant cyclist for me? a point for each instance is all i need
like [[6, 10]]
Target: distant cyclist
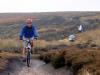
[[29, 32], [80, 28], [72, 38]]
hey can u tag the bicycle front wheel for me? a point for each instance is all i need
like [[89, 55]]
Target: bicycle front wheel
[[28, 59]]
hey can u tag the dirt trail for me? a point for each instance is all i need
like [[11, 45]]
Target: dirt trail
[[37, 68]]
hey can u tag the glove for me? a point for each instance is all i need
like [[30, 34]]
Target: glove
[[21, 39], [36, 38]]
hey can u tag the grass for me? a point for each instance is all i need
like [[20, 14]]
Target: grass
[[51, 26], [7, 44], [75, 57], [90, 17], [5, 54], [93, 35], [4, 59], [58, 60]]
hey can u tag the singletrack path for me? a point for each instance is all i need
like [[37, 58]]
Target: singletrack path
[[37, 68]]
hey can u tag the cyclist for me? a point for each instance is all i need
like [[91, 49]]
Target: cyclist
[[29, 32], [80, 28], [72, 38]]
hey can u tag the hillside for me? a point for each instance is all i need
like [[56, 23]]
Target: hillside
[[53, 46], [93, 35], [51, 26]]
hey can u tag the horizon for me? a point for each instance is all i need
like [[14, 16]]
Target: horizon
[[49, 12]]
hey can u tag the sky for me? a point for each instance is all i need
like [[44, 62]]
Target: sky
[[48, 5]]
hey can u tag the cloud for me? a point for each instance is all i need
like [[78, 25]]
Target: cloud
[[48, 5]]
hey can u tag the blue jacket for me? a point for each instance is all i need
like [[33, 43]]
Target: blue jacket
[[28, 32]]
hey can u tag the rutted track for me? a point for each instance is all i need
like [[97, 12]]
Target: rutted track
[[37, 68]]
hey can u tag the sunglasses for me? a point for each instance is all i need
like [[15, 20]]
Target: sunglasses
[[29, 23]]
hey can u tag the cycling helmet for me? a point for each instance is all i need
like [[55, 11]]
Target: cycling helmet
[[29, 20]]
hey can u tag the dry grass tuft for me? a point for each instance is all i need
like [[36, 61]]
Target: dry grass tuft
[[75, 57], [9, 43]]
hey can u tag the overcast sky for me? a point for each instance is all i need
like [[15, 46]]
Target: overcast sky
[[48, 5]]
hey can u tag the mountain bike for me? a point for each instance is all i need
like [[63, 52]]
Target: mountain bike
[[28, 53]]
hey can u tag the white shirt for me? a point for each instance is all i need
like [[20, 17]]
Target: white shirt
[[80, 28]]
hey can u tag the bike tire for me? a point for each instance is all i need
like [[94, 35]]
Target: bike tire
[[28, 59]]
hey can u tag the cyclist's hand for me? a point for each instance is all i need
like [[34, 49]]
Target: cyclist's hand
[[35, 38]]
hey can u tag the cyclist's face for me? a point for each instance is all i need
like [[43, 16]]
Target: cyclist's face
[[29, 25]]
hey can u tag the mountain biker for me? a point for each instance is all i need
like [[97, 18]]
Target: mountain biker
[[80, 28], [29, 32], [72, 38]]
